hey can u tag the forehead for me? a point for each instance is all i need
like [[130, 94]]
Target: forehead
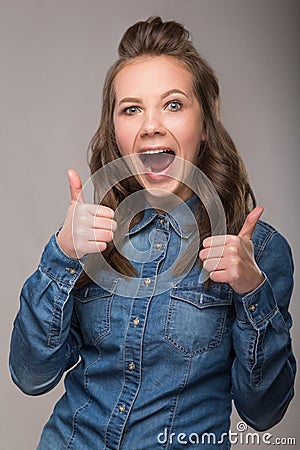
[[154, 74]]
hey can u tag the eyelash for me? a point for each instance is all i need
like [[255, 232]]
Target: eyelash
[[177, 102], [126, 110]]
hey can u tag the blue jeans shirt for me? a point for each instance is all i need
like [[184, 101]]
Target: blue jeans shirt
[[157, 360]]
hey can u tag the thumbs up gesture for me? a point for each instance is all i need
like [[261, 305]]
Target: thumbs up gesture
[[89, 227], [230, 259]]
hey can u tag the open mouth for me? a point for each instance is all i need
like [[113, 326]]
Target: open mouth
[[157, 160]]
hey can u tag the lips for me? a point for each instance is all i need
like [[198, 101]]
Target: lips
[[157, 160]]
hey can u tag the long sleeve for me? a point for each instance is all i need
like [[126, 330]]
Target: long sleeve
[[264, 367], [46, 338]]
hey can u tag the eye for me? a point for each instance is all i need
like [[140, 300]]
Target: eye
[[174, 105], [130, 110]]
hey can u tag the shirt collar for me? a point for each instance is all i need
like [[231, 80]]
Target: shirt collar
[[181, 218]]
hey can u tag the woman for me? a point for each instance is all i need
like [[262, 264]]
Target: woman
[[157, 351]]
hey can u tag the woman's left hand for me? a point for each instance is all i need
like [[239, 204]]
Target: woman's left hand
[[230, 259]]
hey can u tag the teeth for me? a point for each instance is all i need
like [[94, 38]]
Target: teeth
[[152, 152]]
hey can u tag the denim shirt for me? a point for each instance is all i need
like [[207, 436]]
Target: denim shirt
[[155, 362]]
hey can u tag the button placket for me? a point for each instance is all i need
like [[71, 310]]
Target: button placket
[[147, 281], [122, 408], [163, 223], [134, 336], [132, 375], [131, 366]]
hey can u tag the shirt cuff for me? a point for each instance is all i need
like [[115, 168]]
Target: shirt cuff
[[257, 306], [59, 266]]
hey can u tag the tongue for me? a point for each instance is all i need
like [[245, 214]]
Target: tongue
[[157, 162]]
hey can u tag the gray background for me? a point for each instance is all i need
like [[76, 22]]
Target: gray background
[[54, 55]]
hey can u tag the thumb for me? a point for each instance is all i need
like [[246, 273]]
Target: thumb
[[250, 222], [75, 187]]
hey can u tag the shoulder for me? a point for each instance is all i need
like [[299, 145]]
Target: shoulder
[[267, 238]]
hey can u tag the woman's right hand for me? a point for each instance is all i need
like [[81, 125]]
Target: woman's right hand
[[89, 227]]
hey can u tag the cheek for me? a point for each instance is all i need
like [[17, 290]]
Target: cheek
[[191, 139], [123, 139], [196, 133], [188, 130]]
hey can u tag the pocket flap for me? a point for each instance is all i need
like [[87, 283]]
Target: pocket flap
[[199, 296], [89, 293]]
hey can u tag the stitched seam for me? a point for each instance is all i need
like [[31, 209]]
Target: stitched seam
[[124, 380], [212, 345], [58, 280], [85, 405], [54, 335], [176, 399], [264, 244], [256, 371]]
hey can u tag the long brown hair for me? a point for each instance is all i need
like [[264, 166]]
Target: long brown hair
[[218, 157]]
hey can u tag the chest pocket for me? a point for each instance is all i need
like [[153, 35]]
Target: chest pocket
[[92, 306], [196, 317]]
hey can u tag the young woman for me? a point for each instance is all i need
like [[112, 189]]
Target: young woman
[[172, 320]]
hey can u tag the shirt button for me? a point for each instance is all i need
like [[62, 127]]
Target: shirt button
[[131, 366], [122, 408], [136, 321], [147, 281], [161, 221], [252, 308], [159, 245], [71, 270]]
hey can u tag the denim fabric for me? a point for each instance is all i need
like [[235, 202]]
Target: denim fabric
[[155, 362]]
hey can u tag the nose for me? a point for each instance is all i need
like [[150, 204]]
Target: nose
[[152, 126]]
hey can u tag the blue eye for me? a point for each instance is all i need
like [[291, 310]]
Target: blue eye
[[175, 105], [131, 110]]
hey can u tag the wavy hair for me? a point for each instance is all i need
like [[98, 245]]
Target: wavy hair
[[218, 157]]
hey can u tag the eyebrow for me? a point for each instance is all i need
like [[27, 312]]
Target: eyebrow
[[130, 100], [163, 96], [171, 92]]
